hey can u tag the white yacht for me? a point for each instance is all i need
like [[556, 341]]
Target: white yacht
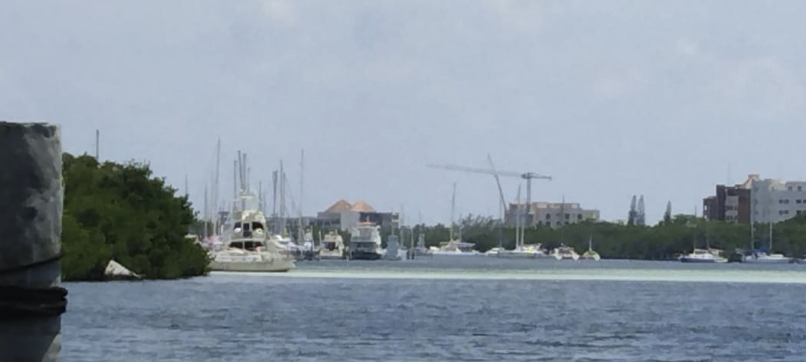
[[529, 251], [246, 245], [288, 245], [564, 252], [762, 257], [703, 256], [590, 254], [454, 248], [365, 242], [332, 246]]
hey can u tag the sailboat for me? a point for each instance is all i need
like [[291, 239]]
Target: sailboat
[[590, 254], [765, 256], [521, 251], [455, 246], [706, 255]]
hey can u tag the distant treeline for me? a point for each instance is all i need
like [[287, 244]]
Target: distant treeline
[[121, 212], [659, 242], [663, 241]]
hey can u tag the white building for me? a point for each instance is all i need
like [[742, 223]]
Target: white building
[[551, 214], [775, 200]]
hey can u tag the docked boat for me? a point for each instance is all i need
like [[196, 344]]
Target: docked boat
[[309, 249], [529, 251], [365, 242], [454, 248], [590, 254], [421, 249], [703, 256], [762, 256], [247, 247], [564, 252], [332, 247], [393, 250], [288, 246]]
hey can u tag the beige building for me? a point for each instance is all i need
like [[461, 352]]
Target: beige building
[[551, 214], [344, 215]]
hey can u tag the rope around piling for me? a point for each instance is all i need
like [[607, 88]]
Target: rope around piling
[[18, 302]]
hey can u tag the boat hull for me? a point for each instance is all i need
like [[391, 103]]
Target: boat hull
[[697, 260], [331, 256], [280, 266], [509, 254], [767, 261], [364, 255]]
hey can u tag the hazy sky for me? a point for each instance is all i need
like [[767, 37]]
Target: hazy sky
[[612, 98]]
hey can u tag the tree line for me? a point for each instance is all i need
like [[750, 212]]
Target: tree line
[[122, 212], [663, 241]]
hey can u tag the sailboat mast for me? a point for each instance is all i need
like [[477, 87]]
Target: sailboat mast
[[453, 209], [206, 213], [216, 185], [274, 198], [770, 251], [281, 181], [518, 216], [301, 188]]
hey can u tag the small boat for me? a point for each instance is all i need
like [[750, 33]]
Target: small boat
[[454, 248], [421, 249], [365, 242], [590, 254], [763, 257], [703, 256], [564, 252], [309, 249], [529, 251], [393, 250], [332, 247]]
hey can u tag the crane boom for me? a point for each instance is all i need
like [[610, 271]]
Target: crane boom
[[475, 170], [500, 190]]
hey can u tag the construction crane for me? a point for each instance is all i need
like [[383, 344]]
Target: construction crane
[[528, 176]]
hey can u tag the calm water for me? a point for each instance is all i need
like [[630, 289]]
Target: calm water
[[449, 310]]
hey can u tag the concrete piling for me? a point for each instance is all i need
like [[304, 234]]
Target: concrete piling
[[31, 201]]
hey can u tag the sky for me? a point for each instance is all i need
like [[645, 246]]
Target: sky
[[611, 98]]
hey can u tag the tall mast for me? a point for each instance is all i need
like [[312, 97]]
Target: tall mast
[[562, 221], [453, 209], [206, 212], [98, 145], [234, 180], [518, 215], [301, 188], [274, 194], [260, 195], [216, 183], [282, 198]]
